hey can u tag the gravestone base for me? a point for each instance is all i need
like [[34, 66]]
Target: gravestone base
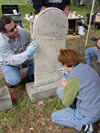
[[37, 93], [5, 99]]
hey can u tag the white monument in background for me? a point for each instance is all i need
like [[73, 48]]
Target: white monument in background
[[49, 33]]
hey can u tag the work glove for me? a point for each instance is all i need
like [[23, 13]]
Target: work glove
[[31, 49], [62, 70]]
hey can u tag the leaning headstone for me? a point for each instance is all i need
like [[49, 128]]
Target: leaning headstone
[[5, 99], [49, 33]]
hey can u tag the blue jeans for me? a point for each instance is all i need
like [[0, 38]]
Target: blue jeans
[[12, 73], [70, 117], [90, 53]]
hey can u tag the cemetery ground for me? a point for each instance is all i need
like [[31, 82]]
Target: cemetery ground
[[26, 117]]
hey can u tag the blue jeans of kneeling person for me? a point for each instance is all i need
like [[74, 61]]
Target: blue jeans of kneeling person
[[70, 117], [12, 73]]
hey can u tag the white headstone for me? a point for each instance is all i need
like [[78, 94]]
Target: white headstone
[[5, 99], [49, 33]]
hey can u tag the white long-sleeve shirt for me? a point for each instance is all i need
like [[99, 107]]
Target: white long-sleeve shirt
[[13, 53]]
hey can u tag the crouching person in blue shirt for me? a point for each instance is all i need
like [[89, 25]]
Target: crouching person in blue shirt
[[82, 85], [16, 52], [93, 52]]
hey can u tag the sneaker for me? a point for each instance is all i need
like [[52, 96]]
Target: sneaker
[[28, 79], [91, 128]]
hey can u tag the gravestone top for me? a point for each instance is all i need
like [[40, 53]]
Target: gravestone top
[[4, 92], [49, 33], [51, 23]]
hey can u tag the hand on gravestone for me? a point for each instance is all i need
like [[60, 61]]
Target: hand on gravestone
[[31, 49], [64, 82]]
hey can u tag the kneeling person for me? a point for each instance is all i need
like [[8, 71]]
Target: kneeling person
[[93, 52], [16, 52], [83, 86]]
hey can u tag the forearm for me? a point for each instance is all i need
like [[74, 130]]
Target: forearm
[[66, 7], [90, 53], [66, 10], [70, 91], [18, 59], [88, 61], [43, 8], [88, 58]]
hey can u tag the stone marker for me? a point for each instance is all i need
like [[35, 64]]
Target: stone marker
[[49, 33], [5, 99]]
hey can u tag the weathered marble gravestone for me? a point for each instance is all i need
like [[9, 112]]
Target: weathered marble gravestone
[[49, 33], [5, 99]]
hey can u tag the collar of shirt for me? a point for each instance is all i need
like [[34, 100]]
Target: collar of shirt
[[74, 66], [8, 39], [5, 37]]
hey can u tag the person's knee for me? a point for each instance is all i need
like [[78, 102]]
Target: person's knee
[[14, 81], [12, 74], [53, 117]]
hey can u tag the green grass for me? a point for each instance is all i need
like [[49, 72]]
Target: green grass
[[10, 118], [50, 105], [14, 2], [15, 117], [23, 9], [82, 11]]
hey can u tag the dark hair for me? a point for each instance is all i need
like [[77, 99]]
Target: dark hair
[[97, 42], [68, 57], [3, 21]]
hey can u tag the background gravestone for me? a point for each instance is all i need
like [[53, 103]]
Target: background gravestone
[[5, 99], [49, 33]]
